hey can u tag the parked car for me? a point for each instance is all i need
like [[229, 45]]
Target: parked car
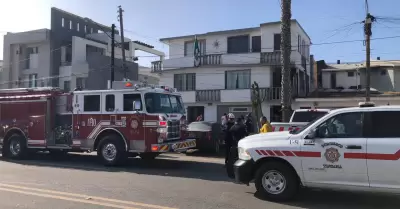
[[209, 135]]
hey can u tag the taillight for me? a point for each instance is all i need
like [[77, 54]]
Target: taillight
[[162, 123]]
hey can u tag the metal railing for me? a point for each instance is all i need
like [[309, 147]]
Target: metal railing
[[208, 95], [272, 58]]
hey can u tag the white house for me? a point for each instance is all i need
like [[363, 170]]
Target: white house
[[343, 85], [230, 62]]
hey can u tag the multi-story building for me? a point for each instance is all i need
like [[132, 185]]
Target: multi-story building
[[343, 84], [230, 62], [145, 75], [74, 52]]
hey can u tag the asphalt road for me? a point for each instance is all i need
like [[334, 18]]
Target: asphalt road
[[171, 181]]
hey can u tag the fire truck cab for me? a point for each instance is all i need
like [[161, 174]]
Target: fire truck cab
[[134, 120]]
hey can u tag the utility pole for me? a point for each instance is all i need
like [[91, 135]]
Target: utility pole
[[286, 48], [112, 54], [368, 32], [121, 23]]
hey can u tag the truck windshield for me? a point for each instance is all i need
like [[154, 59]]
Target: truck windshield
[[307, 116], [163, 103]]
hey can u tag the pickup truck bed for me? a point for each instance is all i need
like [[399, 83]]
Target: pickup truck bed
[[299, 118]]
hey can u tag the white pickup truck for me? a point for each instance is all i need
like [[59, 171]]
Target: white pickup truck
[[299, 119], [350, 148]]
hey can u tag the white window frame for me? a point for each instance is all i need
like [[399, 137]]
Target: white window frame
[[62, 22], [70, 24], [77, 26]]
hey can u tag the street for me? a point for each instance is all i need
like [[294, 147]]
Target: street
[[171, 181]]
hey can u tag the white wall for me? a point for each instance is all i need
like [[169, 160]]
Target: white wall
[[342, 79]]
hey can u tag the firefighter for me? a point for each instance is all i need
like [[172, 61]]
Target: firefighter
[[228, 136], [238, 132], [249, 124]]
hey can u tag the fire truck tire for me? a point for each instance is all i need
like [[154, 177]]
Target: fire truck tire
[[111, 151], [15, 147], [276, 181]]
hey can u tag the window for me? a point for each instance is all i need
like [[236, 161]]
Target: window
[[110, 102], [70, 24], [129, 99], [383, 72], [298, 43], [77, 26], [91, 103], [384, 124], [85, 28], [350, 74], [62, 22], [163, 103], [189, 47], [238, 79], [303, 48], [307, 116], [67, 86], [277, 42], [238, 44], [240, 109], [81, 82], [256, 44], [32, 50], [32, 80], [185, 82], [345, 125]]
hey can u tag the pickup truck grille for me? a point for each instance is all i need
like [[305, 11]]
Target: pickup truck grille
[[173, 129]]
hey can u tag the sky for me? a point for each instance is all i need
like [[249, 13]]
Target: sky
[[325, 21]]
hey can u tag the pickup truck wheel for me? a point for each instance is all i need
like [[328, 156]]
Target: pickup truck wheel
[[276, 181], [112, 151], [16, 147]]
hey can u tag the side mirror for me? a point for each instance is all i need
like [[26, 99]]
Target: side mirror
[[137, 105], [312, 134]]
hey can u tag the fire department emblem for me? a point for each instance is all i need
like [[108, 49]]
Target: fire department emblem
[[134, 124], [332, 155], [91, 122]]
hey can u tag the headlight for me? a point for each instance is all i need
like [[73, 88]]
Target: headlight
[[243, 154]]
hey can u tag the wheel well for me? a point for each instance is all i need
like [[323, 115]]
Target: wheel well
[[11, 132], [106, 132], [262, 161]]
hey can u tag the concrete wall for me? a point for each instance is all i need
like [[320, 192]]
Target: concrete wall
[[99, 71], [14, 55], [62, 35]]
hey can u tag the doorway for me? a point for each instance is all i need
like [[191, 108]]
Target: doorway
[[194, 111]]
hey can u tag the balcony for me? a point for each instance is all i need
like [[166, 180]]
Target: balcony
[[208, 95], [274, 93], [271, 58]]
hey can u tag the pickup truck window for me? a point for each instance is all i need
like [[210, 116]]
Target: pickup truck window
[[345, 125], [384, 124], [307, 116]]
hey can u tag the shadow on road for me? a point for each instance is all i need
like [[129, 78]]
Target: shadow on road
[[165, 165], [198, 153], [323, 199]]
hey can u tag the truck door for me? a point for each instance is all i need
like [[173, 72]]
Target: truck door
[[77, 105], [383, 140], [336, 155]]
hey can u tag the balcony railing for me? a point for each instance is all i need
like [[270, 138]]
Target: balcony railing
[[274, 93], [271, 58], [156, 66], [210, 59], [208, 95]]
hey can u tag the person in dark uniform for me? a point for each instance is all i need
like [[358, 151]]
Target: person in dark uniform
[[249, 124], [228, 135], [238, 132]]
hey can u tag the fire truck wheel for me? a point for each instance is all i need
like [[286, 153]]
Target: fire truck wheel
[[276, 181], [112, 151], [16, 147], [148, 156]]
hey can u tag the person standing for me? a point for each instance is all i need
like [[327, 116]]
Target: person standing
[[228, 135], [199, 118], [265, 125], [238, 131]]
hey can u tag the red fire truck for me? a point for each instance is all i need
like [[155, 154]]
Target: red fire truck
[[135, 120]]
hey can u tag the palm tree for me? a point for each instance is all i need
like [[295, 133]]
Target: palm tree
[[286, 48]]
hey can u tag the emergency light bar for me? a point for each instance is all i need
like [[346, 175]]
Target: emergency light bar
[[137, 84]]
